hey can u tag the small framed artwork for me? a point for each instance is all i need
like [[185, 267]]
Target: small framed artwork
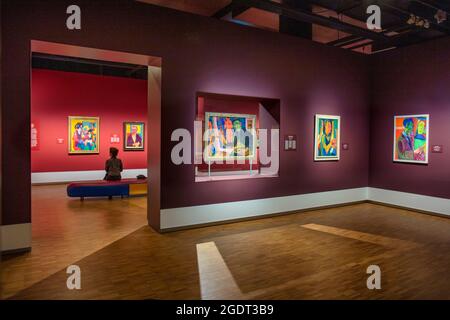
[[133, 136], [84, 133], [411, 138], [327, 137]]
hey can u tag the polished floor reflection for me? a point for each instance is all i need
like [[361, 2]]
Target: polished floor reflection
[[321, 254]]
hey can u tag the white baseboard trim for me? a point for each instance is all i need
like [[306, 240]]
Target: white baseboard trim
[[220, 212], [203, 214], [15, 237], [410, 200], [71, 176], [18, 236]]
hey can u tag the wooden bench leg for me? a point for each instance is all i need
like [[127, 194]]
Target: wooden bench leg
[[110, 197], [82, 198]]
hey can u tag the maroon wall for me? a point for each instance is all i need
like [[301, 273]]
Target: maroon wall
[[199, 54], [57, 95], [412, 80]]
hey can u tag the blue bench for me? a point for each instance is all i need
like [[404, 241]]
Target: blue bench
[[125, 187]]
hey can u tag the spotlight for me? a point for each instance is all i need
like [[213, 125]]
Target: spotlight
[[418, 21], [440, 16], [412, 19]]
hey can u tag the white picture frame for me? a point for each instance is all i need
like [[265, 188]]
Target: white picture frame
[[317, 156], [395, 139]]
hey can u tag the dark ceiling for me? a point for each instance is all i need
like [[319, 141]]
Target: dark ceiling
[[394, 19], [97, 67], [340, 23]]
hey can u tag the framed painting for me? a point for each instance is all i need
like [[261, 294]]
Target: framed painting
[[229, 136], [327, 137], [411, 138], [84, 135], [133, 136]]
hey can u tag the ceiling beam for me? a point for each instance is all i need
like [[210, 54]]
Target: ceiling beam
[[343, 41], [233, 8], [352, 39], [402, 40], [306, 16], [360, 45]]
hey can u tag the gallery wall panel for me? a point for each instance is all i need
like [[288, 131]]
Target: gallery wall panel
[[412, 81]]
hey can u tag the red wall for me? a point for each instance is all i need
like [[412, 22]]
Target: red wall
[[57, 95]]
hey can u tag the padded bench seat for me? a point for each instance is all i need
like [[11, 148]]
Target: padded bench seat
[[124, 187]]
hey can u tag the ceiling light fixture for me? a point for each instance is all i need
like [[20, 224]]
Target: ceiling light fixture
[[418, 21], [412, 19], [440, 16]]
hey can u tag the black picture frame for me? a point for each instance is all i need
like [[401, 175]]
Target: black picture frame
[[126, 147]]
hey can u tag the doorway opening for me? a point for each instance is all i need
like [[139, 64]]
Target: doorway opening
[[115, 99]]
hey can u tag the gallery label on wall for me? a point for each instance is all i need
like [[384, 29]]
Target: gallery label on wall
[[437, 148], [115, 139], [290, 142], [35, 131]]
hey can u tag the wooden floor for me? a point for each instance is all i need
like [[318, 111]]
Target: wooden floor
[[319, 254], [67, 230]]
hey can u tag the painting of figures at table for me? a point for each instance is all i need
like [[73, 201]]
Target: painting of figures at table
[[229, 136]]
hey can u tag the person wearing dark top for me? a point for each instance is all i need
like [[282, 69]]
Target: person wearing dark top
[[113, 166]]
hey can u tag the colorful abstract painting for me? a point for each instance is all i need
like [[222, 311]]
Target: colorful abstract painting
[[229, 136], [133, 136], [84, 135], [327, 137], [411, 138]]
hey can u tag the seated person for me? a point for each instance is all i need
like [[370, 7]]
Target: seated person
[[113, 166]]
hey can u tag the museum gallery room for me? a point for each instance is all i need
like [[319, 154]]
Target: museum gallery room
[[225, 149]]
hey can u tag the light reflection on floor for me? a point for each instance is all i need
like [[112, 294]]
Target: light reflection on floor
[[216, 280]]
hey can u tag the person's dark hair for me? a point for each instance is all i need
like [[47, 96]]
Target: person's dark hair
[[114, 152], [407, 121]]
